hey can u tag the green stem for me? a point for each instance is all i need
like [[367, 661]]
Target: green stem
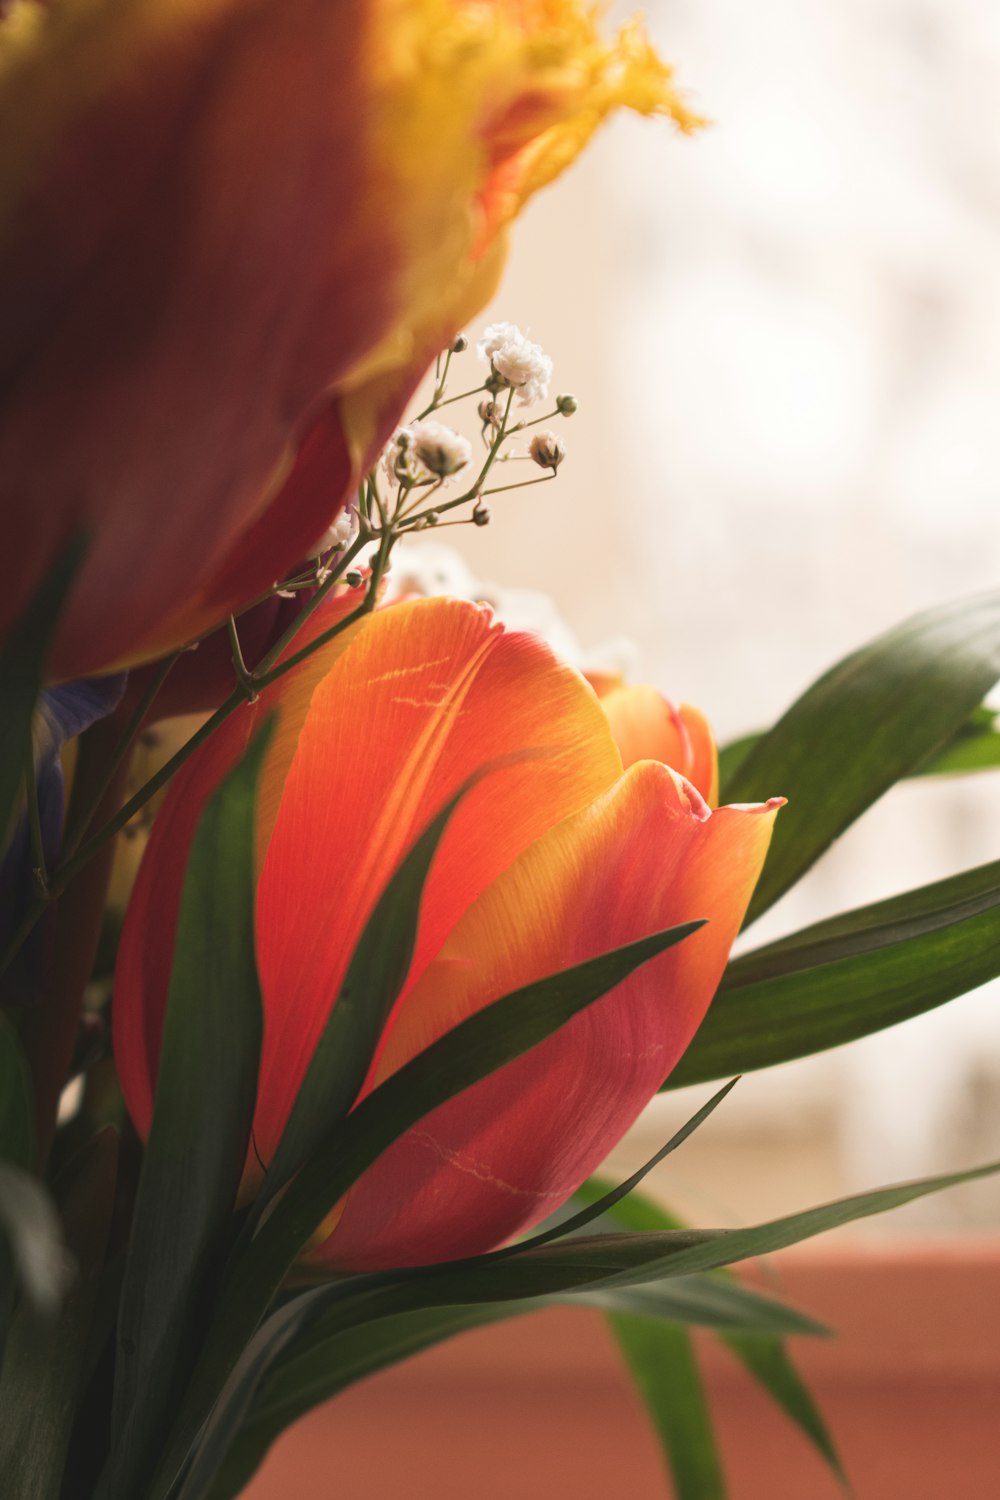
[[259, 676], [82, 815]]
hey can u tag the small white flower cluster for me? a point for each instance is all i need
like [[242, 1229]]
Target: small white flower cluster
[[426, 446], [338, 535], [518, 362]]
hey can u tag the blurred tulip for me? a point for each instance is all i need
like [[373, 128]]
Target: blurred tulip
[[233, 233], [546, 863]]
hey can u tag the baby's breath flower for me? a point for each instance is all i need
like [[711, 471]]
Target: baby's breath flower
[[517, 361], [459, 345], [490, 414], [440, 449], [338, 535], [547, 451], [565, 405]]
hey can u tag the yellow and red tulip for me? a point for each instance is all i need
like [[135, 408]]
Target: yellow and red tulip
[[232, 235], [547, 862]]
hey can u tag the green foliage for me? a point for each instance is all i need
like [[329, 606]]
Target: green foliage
[[849, 976], [22, 666], [877, 716], [475, 1048], [200, 1134]]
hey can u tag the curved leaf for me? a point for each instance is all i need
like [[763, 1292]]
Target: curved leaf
[[198, 1141], [851, 975], [472, 1050], [871, 720]]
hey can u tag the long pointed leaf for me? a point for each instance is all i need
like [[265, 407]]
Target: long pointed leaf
[[199, 1137], [664, 1369], [475, 1048], [763, 1355], [22, 666], [870, 720], [374, 980], [847, 977]]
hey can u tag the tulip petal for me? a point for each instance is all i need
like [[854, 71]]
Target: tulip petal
[[647, 855], [647, 726], [145, 953], [427, 694]]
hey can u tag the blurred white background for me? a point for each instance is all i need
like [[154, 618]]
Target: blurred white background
[[785, 339]]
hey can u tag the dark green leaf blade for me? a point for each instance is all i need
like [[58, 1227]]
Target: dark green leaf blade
[[198, 1141], [22, 668], [45, 1356], [871, 720], [764, 1357], [664, 1369], [767, 1361], [851, 975], [318, 1369], [374, 980], [974, 747], [475, 1048], [17, 1128]]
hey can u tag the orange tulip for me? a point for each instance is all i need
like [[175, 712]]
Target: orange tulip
[[232, 235], [547, 862]]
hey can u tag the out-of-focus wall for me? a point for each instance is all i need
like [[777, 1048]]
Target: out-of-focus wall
[[785, 340]]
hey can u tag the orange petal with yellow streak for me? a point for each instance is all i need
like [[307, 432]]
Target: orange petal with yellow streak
[[145, 953], [428, 693], [647, 855]]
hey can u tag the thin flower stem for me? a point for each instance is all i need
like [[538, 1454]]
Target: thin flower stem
[[522, 484], [436, 405], [79, 822], [259, 676]]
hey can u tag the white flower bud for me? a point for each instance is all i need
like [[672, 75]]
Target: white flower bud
[[440, 449], [547, 451], [481, 514], [338, 535], [490, 414]]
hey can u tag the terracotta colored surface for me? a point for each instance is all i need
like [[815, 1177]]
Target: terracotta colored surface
[[539, 1408]]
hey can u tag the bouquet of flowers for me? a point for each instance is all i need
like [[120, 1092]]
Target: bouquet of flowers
[[425, 916]]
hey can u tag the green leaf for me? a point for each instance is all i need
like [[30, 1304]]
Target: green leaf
[[872, 719], [764, 1357], [665, 1371], [472, 1050], [22, 667], [200, 1133], [45, 1357], [17, 1131], [322, 1368], [303, 1360], [375, 977], [768, 1362], [851, 975], [975, 747]]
